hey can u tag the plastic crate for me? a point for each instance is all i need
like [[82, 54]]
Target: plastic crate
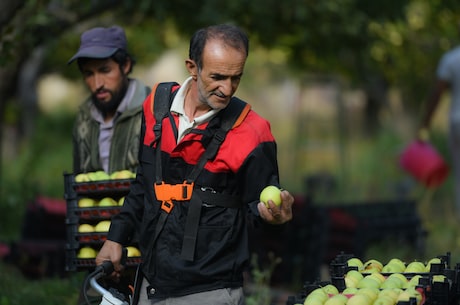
[[76, 216]]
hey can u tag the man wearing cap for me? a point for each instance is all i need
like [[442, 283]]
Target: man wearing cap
[[107, 128]]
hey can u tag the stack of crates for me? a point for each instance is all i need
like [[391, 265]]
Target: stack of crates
[[82, 244], [434, 291]]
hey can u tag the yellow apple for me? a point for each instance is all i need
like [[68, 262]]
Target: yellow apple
[[122, 174], [121, 201], [107, 202], [133, 251], [86, 202], [272, 193], [102, 226], [82, 177], [85, 228], [86, 252]]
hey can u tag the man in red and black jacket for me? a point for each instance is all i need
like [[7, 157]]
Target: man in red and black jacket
[[192, 216]]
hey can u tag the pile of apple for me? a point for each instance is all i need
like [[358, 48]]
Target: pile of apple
[[87, 202], [374, 283], [330, 295], [102, 175]]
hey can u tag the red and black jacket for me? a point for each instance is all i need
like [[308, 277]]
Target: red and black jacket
[[245, 163]]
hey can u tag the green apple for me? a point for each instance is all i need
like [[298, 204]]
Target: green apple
[[133, 251], [355, 262], [319, 294], [85, 228], [121, 201], [350, 290], [272, 193], [107, 202], [371, 292], [354, 274], [373, 265], [393, 268], [389, 293], [102, 226], [391, 283], [359, 299], [414, 281], [401, 277], [439, 278], [368, 282], [378, 276], [98, 176], [313, 301], [384, 300], [86, 252], [337, 299], [435, 260], [350, 282], [82, 177], [398, 262], [415, 267], [86, 202], [331, 289]]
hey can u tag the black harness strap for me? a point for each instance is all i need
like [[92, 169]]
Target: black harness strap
[[231, 116]]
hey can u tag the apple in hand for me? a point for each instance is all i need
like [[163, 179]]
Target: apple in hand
[[272, 193]]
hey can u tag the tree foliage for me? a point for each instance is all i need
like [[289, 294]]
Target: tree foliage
[[371, 44]]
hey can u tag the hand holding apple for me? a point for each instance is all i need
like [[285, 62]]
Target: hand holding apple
[[275, 206]]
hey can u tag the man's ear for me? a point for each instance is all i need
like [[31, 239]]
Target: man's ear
[[127, 67], [192, 68]]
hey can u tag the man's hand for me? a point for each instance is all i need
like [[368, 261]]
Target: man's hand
[[111, 251], [274, 214]]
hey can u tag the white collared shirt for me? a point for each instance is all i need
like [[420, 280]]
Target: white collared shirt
[[185, 125]]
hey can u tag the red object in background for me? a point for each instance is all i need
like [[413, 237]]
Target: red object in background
[[424, 163]]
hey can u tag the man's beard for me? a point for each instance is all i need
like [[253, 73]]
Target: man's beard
[[110, 106]]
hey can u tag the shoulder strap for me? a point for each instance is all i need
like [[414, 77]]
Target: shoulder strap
[[160, 105], [232, 116]]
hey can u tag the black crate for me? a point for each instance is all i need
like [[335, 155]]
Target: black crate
[[76, 216]]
